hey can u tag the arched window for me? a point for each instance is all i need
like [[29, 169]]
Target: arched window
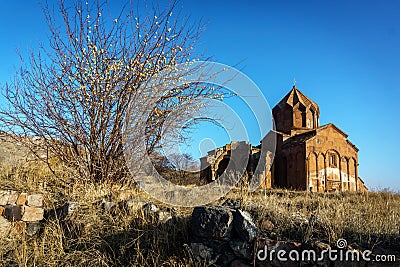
[[332, 160]]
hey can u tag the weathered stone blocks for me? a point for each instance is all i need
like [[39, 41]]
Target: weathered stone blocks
[[5, 227], [12, 212], [32, 214], [21, 200], [35, 200], [20, 212]]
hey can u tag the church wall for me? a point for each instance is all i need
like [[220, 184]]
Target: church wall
[[283, 117], [292, 164], [336, 166]]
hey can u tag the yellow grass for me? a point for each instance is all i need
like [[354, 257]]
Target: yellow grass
[[92, 237]]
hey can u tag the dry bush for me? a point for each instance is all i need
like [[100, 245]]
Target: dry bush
[[70, 98]]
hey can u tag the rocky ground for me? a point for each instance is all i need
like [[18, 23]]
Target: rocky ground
[[233, 232]]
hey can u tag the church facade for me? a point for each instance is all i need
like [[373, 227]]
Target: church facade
[[305, 156]]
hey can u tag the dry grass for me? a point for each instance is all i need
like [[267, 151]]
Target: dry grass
[[367, 219], [92, 237]]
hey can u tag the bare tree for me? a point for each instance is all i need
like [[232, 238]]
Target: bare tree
[[72, 95]]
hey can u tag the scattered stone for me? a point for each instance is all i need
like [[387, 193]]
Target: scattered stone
[[32, 228], [35, 200], [297, 217], [212, 222], [5, 227], [19, 227], [232, 203], [151, 212], [13, 198], [21, 200], [266, 225], [32, 214], [12, 212], [241, 249], [150, 207], [202, 252], [244, 226], [66, 210], [4, 196]]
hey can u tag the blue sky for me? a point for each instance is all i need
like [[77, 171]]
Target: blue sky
[[345, 55]]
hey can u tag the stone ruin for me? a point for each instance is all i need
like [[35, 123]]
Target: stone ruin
[[20, 211]]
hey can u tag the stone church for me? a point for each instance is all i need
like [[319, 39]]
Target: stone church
[[307, 156]]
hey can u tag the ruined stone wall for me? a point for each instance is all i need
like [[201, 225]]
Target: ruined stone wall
[[20, 211]]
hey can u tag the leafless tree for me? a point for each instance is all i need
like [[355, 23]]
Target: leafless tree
[[69, 99]]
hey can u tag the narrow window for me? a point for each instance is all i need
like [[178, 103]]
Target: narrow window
[[332, 160]]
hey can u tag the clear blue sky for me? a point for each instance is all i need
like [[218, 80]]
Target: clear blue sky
[[345, 55]]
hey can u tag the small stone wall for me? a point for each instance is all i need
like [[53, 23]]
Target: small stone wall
[[20, 211]]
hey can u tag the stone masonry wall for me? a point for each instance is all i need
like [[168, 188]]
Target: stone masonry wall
[[20, 211]]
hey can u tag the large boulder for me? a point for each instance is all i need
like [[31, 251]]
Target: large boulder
[[241, 249], [212, 222], [244, 226]]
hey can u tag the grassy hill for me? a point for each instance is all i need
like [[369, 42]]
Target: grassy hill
[[95, 236]]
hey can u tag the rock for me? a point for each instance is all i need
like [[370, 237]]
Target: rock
[[19, 227], [22, 199], [297, 217], [35, 200], [32, 228], [241, 249], [13, 198], [63, 212], [150, 211], [239, 263], [4, 196], [32, 214], [222, 253], [212, 222], [5, 227], [150, 207], [266, 225], [202, 252], [12, 212], [244, 226], [232, 203], [68, 209]]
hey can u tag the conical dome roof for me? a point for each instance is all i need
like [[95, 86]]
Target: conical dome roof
[[295, 96]]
